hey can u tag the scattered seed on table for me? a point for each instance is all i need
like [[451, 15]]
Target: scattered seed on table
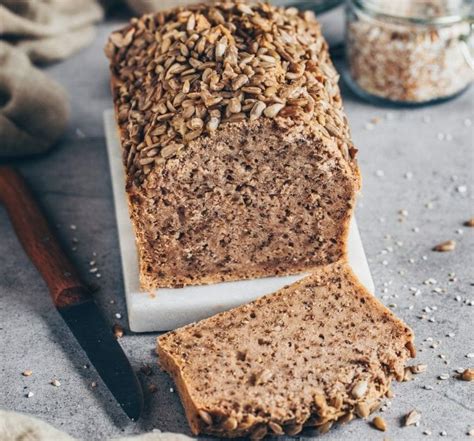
[[443, 377], [461, 189], [468, 374], [55, 382], [117, 331], [449, 245], [411, 418], [470, 355], [73, 227], [93, 385], [427, 432], [27, 373], [443, 433], [379, 423], [418, 368], [30, 394], [118, 315]]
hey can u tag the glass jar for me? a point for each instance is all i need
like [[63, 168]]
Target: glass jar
[[409, 51], [318, 6]]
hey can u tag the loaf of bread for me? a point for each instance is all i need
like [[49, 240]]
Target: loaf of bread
[[237, 151], [319, 351]]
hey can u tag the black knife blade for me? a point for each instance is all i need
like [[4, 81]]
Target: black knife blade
[[70, 296], [105, 354]]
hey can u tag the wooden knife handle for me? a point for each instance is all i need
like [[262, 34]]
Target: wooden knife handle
[[39, 241]]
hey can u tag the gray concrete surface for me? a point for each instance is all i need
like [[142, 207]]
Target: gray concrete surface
[[418, 160]]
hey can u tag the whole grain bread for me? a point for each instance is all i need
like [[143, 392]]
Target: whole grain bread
[[319, 351], [236, 148]]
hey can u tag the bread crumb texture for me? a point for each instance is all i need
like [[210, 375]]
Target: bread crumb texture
[[317, 352]]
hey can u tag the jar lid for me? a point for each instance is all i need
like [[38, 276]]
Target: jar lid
[[421, 11]]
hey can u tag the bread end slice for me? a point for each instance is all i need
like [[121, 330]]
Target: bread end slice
[[319, 351]]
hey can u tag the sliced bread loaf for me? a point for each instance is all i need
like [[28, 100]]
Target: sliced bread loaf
[[237, 151], [318, 351]]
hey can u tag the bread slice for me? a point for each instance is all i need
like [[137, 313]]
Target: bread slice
[[237, 151], [319, 351]]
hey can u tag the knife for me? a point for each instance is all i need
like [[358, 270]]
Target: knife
[[72, 298]]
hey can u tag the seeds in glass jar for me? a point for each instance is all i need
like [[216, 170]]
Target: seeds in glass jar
[[405, 62]]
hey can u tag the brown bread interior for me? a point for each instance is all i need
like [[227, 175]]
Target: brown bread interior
[[254, 200]]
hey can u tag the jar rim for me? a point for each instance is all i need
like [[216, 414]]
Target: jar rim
[[370, 7]]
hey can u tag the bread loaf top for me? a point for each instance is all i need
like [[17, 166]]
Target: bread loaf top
[[178, 75]]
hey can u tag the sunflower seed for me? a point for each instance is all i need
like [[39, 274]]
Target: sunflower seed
[[362, 409], [412, 418], [259, 433], [206, 417], [257, 110], [418, 368], [360, 389], [276, 428], [379, 423], [468, 374], [273, 110], [449, 245], [229, 424]]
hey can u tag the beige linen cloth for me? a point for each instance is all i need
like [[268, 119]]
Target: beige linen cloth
[[19, 427], [34, 110]]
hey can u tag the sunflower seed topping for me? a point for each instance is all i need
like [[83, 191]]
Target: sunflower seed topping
[[360, 389], [180, 74], [206, 417]]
